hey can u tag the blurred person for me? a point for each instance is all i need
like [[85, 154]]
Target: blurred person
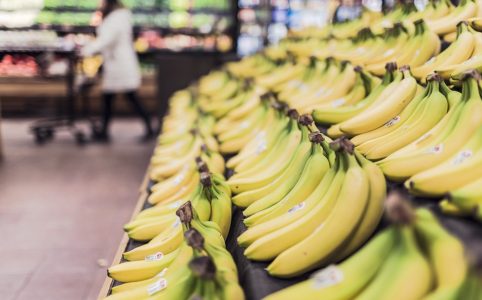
[[121, 71]]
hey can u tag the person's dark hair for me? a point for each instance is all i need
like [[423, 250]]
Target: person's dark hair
[[109, 6]]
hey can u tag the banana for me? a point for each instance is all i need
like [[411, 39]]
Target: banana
[[467, 197], [246, 198], [377, 116], [316, 249], [221, 211], [471, 288], [248, 181], [157, 196], [464, 11], [424, 118], [373, 211], [266, 148], [347, 279], [171, 185], [446, 253], [282, 75], [166, 242], [174, 166], [133, 271], [286, 180], [275, 242], [332, 179], [376, 65], [331, 70], [405, 270], [451, 137], [451, 209], [456, 53], [393, 124], [340, 114], [339, 87], [149, 230], [463, 167], [315, 168], [212, 82], [264, 140]]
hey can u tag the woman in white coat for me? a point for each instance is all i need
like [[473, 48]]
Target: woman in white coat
[[121, 72]]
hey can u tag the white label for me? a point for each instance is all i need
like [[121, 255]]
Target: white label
[[338, 102], [297, 207], [328, 276], [462, 156], [162, 273], [392, 121], [157, 286], [178, 179], [261, 148], [431, 61], [436, 149], [154, 257], [176, 223]]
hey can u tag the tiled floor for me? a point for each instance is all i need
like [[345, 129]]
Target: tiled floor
[[62, 208]]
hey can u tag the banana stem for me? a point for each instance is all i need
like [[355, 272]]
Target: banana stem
[[399, 210]]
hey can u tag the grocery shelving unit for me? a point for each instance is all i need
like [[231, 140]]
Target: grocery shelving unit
[[45, 129], [190, 62]]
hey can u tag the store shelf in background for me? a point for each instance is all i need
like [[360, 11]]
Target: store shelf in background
[[137, 29], [38, 87], [143, 10]]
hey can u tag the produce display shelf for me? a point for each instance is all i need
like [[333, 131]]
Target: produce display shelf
[[87, 29], [252, 275], [143, 10], [35, 50], [141, 202]]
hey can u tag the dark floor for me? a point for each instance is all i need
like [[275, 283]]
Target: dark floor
[[62, 208]]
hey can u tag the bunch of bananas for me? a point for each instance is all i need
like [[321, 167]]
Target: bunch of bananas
[[465, 200], [293, 206], [414, 258], [441, 17], [307, 86], [422, 111], [200, 267], [449, 150], [457, 58], [187, 134], [400, 44]]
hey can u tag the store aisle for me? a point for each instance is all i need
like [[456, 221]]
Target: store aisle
[[62, 209]]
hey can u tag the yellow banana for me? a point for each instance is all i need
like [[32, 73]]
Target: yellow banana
[[316, 249]]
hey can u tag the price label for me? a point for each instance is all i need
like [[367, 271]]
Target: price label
[[393, 121], [157, 286], [462, 156], [154, 257], [436, 149], [296, 208], [328, 276], [338, 102]]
